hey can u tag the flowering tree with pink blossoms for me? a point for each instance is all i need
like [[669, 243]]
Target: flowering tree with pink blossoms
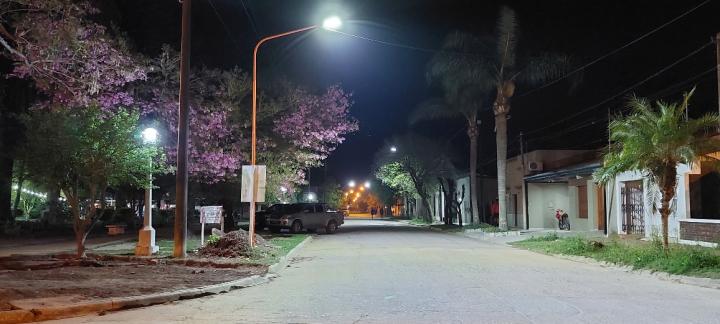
[[296, 129], [72, 61]]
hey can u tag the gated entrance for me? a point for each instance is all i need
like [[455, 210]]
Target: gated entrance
[[633, 220]]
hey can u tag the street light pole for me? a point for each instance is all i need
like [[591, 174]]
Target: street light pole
[[146, 240], [253, 149], [331, 23], [181, 181]]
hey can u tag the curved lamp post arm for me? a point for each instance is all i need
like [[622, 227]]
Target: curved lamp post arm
[[251, 229], [254, 83]]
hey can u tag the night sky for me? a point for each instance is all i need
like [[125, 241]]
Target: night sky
[[388, 81]]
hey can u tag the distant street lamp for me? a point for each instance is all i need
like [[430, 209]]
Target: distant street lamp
[[393, 149], [330, 23], [367, 184], [311, 197], [351, 184], [146, 240]]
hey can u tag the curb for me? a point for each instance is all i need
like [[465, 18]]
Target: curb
[[120, 303], [285, 260], [664, 276], [687, 280]]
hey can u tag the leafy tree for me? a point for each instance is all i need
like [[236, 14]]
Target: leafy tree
[[62, 58], [397, 178], [83, 152], [461, 71], [654, 139], [71, 59], [422, 160], [296, 129], [332, 193]]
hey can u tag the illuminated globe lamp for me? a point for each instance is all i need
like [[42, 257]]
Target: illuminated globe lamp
[[146, 239]]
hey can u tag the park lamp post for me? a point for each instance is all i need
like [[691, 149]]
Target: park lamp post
[[330, 23], [146, 240]]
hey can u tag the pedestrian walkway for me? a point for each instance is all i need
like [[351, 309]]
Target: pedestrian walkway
[[57, 245]]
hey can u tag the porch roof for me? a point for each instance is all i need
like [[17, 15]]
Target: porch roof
[[563, 175]]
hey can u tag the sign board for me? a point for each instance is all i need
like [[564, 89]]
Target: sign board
[[248, 183], [211, 214]]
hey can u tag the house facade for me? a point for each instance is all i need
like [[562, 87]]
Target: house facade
[[540, 182], [695, 218]]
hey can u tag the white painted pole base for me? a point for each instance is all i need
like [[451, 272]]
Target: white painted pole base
[[146, 243]]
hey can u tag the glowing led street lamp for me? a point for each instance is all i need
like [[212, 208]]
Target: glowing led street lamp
[[351, 184], [367, 184], [393, 149], [331, 23], [146, 240]]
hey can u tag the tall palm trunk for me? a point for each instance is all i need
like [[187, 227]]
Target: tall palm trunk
[[667, 184], [473, 135], [501, 107]]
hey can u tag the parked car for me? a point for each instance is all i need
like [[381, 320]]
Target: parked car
[[304, 216]]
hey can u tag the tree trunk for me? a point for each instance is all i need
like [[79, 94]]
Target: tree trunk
[[80, 242], [53, 211], [501, 142], [473, 135], [668, 183], [6, 167], [21, 179]]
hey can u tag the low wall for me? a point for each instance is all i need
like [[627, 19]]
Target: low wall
[[703, 230]]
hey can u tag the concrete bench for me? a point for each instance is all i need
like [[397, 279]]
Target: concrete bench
[[115, 229]]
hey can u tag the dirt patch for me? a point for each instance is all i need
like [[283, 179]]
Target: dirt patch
[[113, 278], [232, 245]]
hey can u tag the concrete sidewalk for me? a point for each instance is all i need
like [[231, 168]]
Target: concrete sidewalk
[[57, 245]]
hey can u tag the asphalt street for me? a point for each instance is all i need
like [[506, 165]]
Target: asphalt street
[[386, 272]]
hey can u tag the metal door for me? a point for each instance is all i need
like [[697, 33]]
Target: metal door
[[633, 220]]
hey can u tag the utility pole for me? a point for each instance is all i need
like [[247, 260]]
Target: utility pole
[[522, 154], [181, 180], [717, 68], [524, 172]]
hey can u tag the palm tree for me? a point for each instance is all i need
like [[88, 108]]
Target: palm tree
[[462, 73], [508, 73], [654, 140]]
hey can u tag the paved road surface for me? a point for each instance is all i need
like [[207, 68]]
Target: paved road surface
[[383, 272]]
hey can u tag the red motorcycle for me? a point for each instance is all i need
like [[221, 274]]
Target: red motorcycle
[[563, 219]]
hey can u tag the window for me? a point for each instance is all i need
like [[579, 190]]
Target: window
[[582, 202]]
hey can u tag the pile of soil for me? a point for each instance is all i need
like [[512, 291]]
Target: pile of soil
[[233, 244], [106, 277]]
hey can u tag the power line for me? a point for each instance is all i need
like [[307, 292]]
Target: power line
[[391, 44], [615, 50], [251, 19], [225, 26], [673, 64], [595, 121]]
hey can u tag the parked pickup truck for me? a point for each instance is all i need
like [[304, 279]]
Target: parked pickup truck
[[308, 216]]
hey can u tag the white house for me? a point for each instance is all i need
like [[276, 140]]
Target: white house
[[633, 205]]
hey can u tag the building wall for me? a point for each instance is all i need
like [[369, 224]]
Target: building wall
[[487, 191], [543, 200], [653, 223], [551, 159]]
